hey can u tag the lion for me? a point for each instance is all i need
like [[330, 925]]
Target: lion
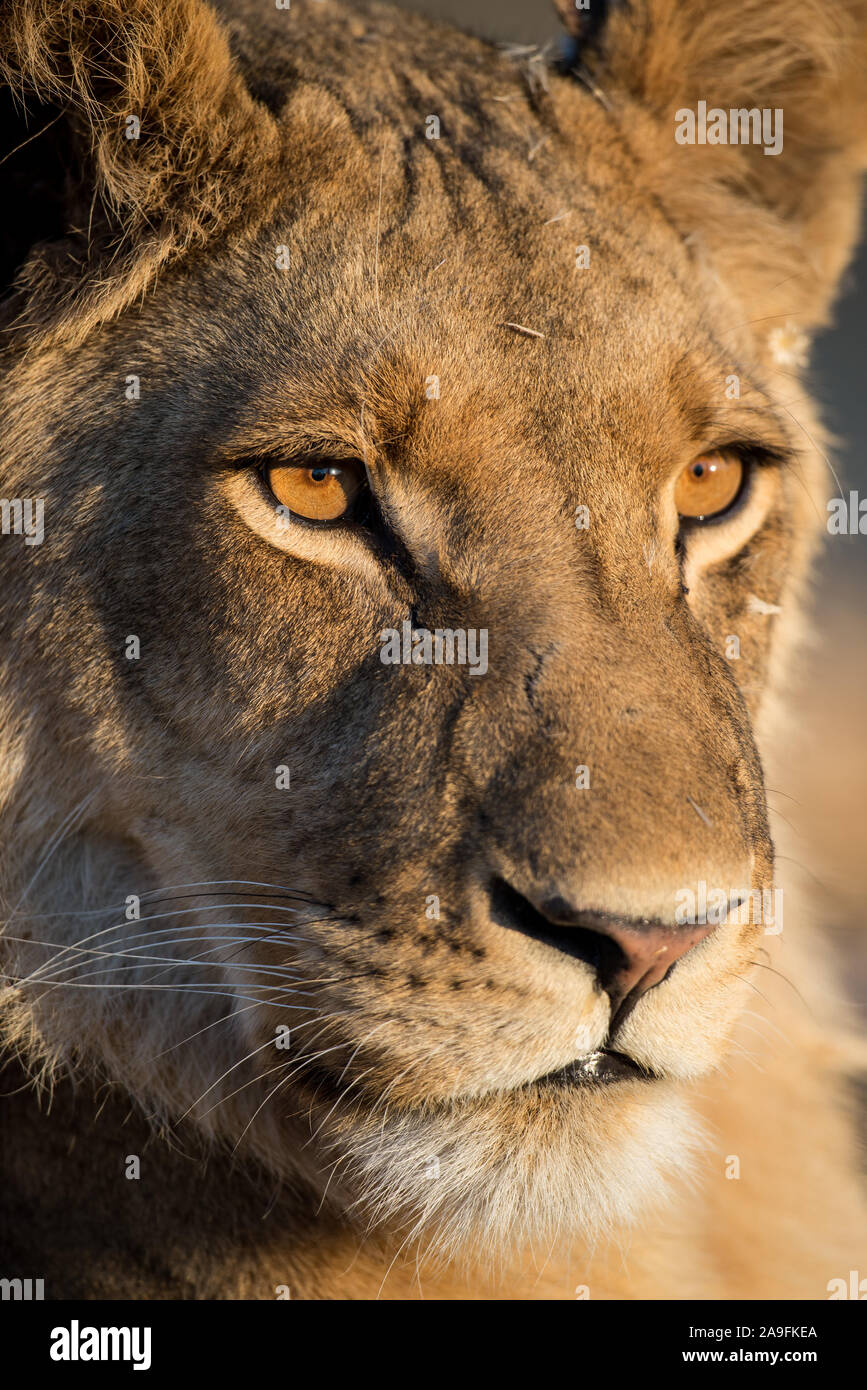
[[410, 493]]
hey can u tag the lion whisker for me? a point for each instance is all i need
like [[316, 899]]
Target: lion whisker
[[54, 843], [269, 1042]]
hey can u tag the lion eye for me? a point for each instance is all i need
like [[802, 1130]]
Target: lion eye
[[323, 491], [709, 486]]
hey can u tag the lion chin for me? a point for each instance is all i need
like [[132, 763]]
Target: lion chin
[[477, 1180]]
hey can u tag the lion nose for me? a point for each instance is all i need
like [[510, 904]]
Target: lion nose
[[628, 957]]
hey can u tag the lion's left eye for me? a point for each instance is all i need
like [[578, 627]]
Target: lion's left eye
[[321, 491], [710, 485]]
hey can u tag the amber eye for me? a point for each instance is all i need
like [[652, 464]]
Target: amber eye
[[322, 491], [709, 485]]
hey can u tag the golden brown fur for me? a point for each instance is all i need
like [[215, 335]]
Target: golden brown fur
[[416, 1039]]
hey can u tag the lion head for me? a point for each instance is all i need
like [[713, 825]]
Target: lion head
[[425, 515]]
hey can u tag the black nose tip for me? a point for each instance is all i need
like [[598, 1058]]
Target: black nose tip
[[627, 957]]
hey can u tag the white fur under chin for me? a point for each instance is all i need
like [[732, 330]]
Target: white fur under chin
[[487, 1178]]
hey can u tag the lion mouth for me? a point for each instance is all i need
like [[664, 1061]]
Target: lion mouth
[[602, 1068]]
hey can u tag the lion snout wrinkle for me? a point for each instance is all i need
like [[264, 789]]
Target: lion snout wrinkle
[[616, 814]]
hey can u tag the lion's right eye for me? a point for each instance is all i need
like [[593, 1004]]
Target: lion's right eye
[[321, 491]]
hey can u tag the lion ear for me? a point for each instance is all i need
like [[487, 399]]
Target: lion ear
[[780, 201], [129, 136]]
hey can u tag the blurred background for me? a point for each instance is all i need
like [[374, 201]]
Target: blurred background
[[822, 789]]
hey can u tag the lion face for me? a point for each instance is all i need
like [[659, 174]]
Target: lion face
[[392, 677]]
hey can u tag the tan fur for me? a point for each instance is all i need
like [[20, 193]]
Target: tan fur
[[414, 1039], [205, 144]]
